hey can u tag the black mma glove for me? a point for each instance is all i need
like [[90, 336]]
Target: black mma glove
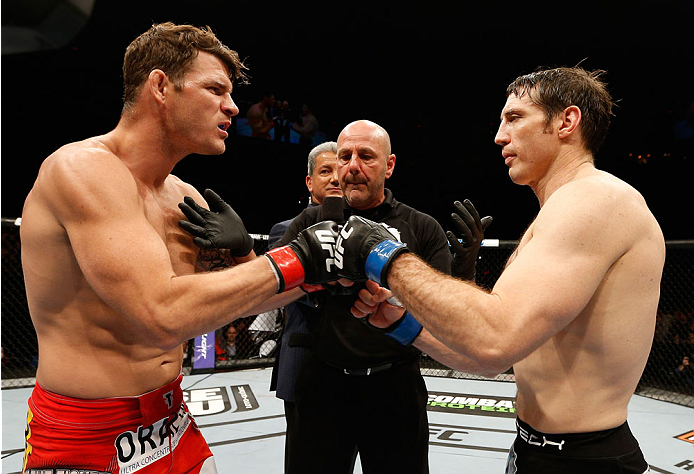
[[220, 227], [330, 210], [467, 224], [364, 250], [309, 258]]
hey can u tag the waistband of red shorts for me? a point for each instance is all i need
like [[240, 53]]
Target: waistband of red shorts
[[78, 412]]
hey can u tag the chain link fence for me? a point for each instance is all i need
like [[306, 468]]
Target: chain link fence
[[253, 341]]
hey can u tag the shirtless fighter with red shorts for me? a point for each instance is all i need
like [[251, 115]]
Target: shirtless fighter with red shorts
[[115, 286]]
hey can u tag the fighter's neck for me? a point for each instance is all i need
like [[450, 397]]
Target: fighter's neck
[[563, 170], [143, 149]]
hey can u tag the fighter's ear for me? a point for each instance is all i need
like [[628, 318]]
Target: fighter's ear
[[158, 85], [570, 119]]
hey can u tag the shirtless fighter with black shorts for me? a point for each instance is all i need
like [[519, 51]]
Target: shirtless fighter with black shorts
[[574, 310]]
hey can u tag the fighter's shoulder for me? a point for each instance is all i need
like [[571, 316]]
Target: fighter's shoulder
[[600, 191], [87, 161], [82, 177], [627, 208], [598, 204], [181, 188]]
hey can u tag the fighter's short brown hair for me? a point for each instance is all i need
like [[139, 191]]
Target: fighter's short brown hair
[[554, 90], [172, 48]]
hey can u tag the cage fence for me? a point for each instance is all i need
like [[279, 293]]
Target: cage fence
[[253, 341]]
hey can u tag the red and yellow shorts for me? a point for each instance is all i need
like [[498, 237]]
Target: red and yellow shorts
[[151, 433]]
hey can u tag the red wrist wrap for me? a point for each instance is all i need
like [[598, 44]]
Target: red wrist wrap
[[311, 288], [289, 267]]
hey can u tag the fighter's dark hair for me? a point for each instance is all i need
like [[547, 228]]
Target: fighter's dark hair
[[554, 90], [172, 48]]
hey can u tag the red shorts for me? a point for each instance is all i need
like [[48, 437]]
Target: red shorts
[[151, 433]]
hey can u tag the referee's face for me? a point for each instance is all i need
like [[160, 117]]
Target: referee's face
[[363, 164]]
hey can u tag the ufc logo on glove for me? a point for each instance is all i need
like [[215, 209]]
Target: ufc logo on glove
[[328, 243], [339, 249]]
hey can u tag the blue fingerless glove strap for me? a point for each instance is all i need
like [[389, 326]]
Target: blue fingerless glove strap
[[379, 257], [407, 331]]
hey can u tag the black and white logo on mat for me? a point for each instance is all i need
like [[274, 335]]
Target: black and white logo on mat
[[215, 400]]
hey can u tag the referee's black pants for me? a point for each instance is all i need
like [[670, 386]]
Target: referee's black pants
[[381, 416]]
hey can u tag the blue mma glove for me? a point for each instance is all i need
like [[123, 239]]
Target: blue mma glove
[[364, 250]]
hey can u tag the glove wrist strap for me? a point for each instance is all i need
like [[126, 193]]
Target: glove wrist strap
[[378, 259], [406, 331], [288, 268], [311, 288]]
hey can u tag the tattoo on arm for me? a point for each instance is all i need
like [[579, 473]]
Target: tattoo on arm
[[210, 260]]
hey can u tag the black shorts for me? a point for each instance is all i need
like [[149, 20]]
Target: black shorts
[[599, 452]]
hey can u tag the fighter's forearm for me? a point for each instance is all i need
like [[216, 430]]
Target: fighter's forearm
[[434, 348], [457, 313], [195, 304], [276, 301]]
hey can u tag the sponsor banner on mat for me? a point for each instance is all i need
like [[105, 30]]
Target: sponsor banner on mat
[[472, 404]]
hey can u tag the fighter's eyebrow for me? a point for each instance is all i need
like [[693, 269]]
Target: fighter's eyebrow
[[223, 85], [509, 112]]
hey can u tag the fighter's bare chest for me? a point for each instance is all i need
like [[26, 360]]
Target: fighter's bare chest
[[163, 214], [527, 236]]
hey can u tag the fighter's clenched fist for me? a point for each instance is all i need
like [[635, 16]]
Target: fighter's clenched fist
[[364, 249], [308, 259]]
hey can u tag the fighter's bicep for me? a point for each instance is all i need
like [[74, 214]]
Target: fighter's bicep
[[557, 272], [210, 260], [546, 287], [115, 245]]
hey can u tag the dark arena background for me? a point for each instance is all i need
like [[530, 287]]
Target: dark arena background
[[434, 75]]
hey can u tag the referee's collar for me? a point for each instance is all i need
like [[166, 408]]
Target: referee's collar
[[373, 213]]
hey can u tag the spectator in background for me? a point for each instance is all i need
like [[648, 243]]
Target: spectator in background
[[306, 126], [259, 117], [186, 351], [282, 120], [225, 342], [681, 332], [685, 372]]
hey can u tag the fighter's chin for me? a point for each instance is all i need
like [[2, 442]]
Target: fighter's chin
[[517, 178], [213, 150]]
